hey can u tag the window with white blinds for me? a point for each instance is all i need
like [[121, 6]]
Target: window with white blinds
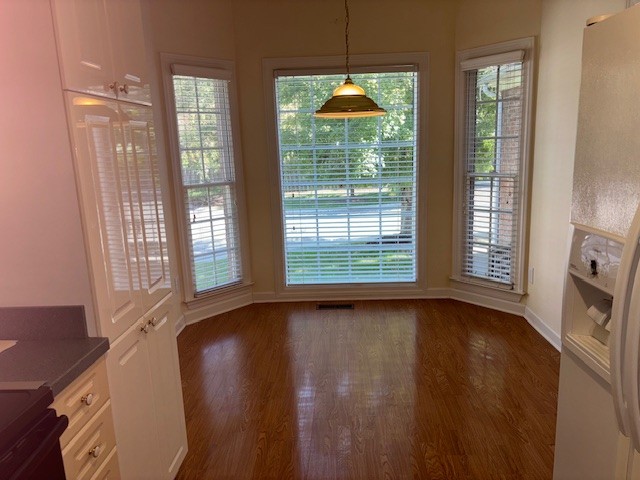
[[492, 167], [348, 187], [208, 180]]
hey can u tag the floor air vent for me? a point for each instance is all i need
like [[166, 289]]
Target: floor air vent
[[334, 306]]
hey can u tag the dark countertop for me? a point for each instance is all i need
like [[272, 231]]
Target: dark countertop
[[53, 348], [55, 363]]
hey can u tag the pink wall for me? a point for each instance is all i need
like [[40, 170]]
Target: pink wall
[[42, 256]]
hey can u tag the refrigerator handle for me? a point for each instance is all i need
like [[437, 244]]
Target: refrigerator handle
[[620, 333], [631, 367]]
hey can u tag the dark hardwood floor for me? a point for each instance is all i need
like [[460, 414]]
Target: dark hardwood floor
[[433, 389]]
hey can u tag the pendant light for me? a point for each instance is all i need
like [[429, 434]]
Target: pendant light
[[349, 100]]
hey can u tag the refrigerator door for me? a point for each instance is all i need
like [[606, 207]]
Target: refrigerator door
[[587, 436], [606, 190]]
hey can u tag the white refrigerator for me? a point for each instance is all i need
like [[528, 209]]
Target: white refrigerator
[[598, 426]]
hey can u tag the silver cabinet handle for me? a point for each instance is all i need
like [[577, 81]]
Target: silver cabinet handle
[[96, 451], [87, 399], [124, 88]]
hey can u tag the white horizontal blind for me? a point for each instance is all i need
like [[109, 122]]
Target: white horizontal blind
[[208, 178], [348, 187], [492, 172]]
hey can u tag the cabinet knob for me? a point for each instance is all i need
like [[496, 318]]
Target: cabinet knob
[[153, 321], [145, 328], [124, 88], [87, 399], [113, 86], [96, 451]]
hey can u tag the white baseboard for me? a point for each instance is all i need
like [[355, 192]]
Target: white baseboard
[[502, 305], [485, 301], [510, 307], [438, 293], [542, 328], [180, 324], [318, 295], [266, 297], [431, 293], [220, 305]]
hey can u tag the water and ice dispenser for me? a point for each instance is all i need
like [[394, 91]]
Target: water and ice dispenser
[[594, 261]]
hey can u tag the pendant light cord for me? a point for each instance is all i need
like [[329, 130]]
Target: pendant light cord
[[346, 35]]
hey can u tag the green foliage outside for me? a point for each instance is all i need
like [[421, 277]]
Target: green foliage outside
[[365, 161], [330, 165], [211, 272], [493, 86], [204, 134], [330, 158], [485, 119], [324, 267]]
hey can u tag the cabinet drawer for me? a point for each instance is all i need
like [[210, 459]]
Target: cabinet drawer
[[87, 451], [82, 399], [109, 470]]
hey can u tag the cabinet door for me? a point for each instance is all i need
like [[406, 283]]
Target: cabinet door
[[167, 389], [109, 211], [151, 238], [102, 48], [134, 417], [124, 21], [83, 46]]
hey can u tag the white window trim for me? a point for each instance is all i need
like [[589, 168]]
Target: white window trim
[[464, 58], [227, 69], [335, 64]]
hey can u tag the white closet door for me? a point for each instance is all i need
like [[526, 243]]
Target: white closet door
[[151, 238], [131, 388], [108, 199], [167, 388]]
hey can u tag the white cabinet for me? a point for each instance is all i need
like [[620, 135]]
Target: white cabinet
[[119, 183], [145, 388], [101, 48]]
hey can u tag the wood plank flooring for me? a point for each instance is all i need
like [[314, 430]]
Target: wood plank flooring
[[433, 389]]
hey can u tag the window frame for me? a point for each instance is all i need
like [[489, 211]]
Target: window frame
[[226, 70], [359, 64], [488, 287]]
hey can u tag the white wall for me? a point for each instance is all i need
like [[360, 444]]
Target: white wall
[[42, 256], [556, 120]]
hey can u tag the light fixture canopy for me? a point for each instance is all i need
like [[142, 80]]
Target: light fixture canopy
[[349, 100]]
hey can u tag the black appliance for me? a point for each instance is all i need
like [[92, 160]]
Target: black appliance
[[30, 435]]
